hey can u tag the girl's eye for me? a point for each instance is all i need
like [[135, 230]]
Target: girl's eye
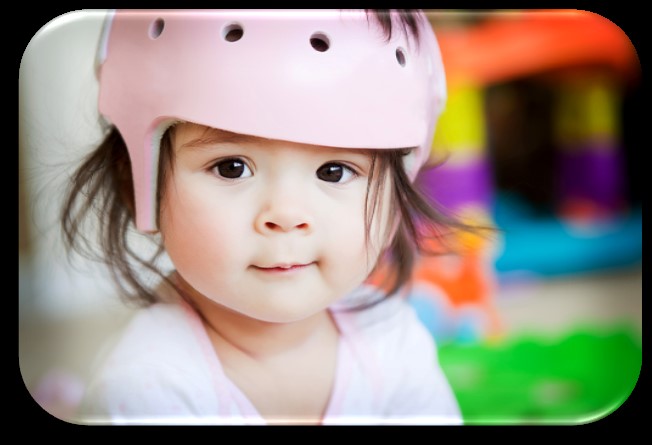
[[333, 172], [232, 169]]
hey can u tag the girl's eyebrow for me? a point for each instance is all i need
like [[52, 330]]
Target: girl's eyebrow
[[214, 136]]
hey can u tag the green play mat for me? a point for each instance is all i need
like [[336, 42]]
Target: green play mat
[[575, 378]]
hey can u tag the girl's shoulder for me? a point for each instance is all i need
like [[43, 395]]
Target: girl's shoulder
[[161, 329], [156, 359], [151, 327], [366, 312], [393, 364]]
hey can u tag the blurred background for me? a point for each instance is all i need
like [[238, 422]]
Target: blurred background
[[540, 322]]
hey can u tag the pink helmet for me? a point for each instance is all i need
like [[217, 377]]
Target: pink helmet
[[317, 77]]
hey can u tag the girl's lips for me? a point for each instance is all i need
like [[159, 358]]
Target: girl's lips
[[283, 268]]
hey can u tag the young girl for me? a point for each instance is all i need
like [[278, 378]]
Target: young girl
[[271, 156]]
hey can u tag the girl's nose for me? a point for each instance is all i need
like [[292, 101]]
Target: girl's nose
[[284, 210]]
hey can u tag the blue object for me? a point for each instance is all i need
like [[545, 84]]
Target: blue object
[[541, 244], [444, 322]]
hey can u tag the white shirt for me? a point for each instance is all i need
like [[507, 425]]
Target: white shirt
[[164, 370]]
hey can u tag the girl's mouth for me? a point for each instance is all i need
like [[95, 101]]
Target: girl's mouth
[[283, 267]]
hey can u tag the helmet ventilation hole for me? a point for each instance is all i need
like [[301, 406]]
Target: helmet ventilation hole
[[156, 28], [233, 33], [400, 56], [319, 42]]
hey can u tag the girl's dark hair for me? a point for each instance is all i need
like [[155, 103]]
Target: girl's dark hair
[[407, 21], [102, 186]]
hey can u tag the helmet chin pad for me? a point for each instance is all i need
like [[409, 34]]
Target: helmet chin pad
[[318, 77]]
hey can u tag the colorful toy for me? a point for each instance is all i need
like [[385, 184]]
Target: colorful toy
[[463, 186], [589, 156], [588, 61]]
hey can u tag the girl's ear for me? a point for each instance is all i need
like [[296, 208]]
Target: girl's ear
[[411, 163]]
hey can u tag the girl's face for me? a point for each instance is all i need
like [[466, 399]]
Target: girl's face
[[273, 230]]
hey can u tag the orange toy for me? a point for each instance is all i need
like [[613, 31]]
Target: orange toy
[[466, 278], [516, 44]]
